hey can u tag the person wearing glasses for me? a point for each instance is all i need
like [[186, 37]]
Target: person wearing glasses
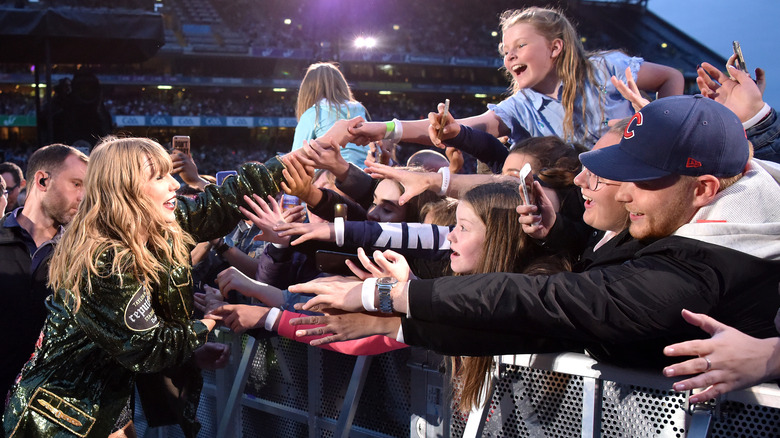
[[14, 183], [602, 212], [3, 197]]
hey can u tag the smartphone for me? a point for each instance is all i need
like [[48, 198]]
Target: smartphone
[[181, 143], [289, 201], [222, 174], [332, 262], [740, 59], [444, 117], [527, 183]]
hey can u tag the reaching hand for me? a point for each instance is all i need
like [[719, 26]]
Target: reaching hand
[[414, 183], [212, 356], [365, 132], [186, 168], [630, 91], [340, 133], [537, 221], [233, 279], [386, 264], [456, 159], [346, 326], [317, 155], [209, 299], [240, 317], [338, 292], [307, 231], [267, 215], [739, 93], [297, 178], [727, 361], [451, 127]]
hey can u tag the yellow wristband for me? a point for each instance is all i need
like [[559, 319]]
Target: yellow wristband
[[390, 128]]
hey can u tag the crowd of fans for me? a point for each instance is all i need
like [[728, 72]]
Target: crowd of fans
[[551, 246]]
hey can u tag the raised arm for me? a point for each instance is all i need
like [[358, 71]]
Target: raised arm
[[666, 81]]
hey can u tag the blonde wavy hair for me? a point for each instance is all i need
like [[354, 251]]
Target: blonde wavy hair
[[323, 80], [572, 65], [116, 215]]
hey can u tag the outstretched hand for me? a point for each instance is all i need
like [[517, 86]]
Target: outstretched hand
[[739, 93], [212, 356], [346, 326], [386, 264], [306, 231], [630, 91], [436, 120], [266, 215], [343, 293], [414, 183], [240, 317], [364, 132], [537, 220], [727, 361]]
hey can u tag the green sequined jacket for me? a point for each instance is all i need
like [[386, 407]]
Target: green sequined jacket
[[83, 369]]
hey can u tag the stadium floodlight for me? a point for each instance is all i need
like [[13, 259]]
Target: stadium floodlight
[[385, 92], [164, 87], [494, 34], [480, 95], [287, 21], [280, 90], [664, 45], [362, 42], [396, 27]]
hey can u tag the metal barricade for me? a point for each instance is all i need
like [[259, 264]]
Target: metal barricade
[[275, 387]]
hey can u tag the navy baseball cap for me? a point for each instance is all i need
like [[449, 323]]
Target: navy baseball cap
[[683, 135]]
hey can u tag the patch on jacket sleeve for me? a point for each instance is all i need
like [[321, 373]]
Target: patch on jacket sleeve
[[139, 315]]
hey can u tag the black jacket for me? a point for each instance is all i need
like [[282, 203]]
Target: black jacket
[[23, 309], [624, 307]]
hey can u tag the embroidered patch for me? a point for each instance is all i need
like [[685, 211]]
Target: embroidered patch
[[139, 315]]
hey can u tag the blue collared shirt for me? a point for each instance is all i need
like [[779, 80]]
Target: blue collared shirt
[[528, 113]]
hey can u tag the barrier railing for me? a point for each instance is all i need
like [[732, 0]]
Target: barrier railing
[[275, 387]]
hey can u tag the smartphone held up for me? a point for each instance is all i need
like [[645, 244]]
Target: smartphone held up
[[181, 143]]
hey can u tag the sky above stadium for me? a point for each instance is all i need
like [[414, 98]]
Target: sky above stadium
[[716, 23]]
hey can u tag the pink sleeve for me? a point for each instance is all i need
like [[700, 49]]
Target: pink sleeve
[[371, 345]]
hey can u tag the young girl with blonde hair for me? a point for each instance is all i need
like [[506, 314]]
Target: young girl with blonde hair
[[558, 88], [324, 98], [122, 292]]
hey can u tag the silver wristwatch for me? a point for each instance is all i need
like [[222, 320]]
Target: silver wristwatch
[[383, 286]]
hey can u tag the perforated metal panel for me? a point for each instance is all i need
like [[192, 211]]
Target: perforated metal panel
[[386, 403], [636, 411], [280, 374], [527, 402], [258, 424], [740, 420]]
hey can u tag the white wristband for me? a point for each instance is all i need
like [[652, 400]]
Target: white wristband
[[445, 180], [338, 227], [270, 319], [397, 133], [763, 112], [367, 294]]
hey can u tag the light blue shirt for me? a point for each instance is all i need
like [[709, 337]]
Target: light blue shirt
[[310, 127], [528, 113]]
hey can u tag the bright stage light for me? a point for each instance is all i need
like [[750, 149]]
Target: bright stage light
[[362, 42]]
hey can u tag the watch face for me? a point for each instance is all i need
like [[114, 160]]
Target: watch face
[[387, 280]]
